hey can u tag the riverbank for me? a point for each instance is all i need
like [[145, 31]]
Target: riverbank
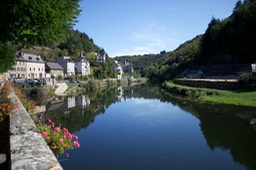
[[241, 98]]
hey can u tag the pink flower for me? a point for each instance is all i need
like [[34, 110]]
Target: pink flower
[[52, 124], [76, 137], [56, 129], [49, 120], [76, 144], [61, 140], [45, 134], [67, 155]]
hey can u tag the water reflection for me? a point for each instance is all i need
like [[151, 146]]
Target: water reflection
[[224, 127]]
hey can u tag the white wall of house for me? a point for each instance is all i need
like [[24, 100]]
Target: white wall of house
[[35, 70], [19, 70], [70, 69], [68, 66], [83, 67], [118, 69], [56, 73]]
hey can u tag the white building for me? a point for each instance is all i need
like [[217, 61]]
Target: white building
[[28, 66], [118, 69], [68, 66], [83, 67], [101, 57]]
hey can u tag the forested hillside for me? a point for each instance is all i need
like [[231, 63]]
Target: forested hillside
[[74, 43], [228, 41]]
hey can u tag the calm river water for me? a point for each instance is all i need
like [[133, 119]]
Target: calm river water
[[139, 128]]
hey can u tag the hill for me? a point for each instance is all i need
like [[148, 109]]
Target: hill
[[75, 43], [231, 41]]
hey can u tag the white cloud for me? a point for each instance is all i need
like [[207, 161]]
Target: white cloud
[[148, 38]]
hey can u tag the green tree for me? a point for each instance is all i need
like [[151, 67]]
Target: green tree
[[30, 22]]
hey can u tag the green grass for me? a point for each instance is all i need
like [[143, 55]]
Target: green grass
[[247, 98], [231, 97]]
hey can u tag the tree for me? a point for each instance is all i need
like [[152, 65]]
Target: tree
[[40, 22]]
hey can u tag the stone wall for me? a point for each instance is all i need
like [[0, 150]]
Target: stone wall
[[27, 146]]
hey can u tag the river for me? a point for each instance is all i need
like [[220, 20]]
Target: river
[[141, 128]]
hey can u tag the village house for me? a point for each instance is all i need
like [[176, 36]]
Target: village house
[[68, 66], [118, 69], [128, 67], [101, 57], [53, 70], [28, 66], [82, 67]]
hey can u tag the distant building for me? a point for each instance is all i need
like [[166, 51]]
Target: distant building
[[82, 66], [128, 67], [195, 74], [118, 69], [68, 66], [54, 69], [28, 66], [101, 57]]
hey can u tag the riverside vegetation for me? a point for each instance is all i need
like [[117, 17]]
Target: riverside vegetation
[[245, 98]]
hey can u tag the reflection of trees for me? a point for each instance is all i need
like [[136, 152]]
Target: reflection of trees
[[223, 126], [77, 117], [226, 127]]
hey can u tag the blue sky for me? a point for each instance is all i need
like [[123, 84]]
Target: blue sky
[[132, 27]]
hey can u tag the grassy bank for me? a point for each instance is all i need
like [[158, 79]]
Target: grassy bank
[[245, 98]]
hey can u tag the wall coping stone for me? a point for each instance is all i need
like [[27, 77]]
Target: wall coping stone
[[27, 146]]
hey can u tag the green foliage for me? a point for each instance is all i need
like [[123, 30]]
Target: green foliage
[[7, 55], [76, 43], [36, 22], [231, 40], [28, 22]]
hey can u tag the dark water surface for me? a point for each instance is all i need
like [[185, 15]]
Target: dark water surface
[[139, 128]]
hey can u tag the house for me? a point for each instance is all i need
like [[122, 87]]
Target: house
[[82, 67], [68, 66], [195, 74], [54, 70], [118, 69], [128, 67], [101, 57], [28, 66]]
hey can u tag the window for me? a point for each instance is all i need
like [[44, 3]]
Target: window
[[30, 68], [38, 69]]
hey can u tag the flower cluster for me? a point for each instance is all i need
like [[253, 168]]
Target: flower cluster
[[29, 105], [5, 105], [57, 138]]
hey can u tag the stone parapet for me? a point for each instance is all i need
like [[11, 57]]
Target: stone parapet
[[27, 146]]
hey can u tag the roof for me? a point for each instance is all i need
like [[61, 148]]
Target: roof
[[194, 72], [32, 58], [54, 66]]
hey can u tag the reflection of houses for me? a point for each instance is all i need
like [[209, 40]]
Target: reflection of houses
[[71, 102], [119, 94], [82, 101], [53, 69], [28, 66], [118, 69], [82, 66], [68, 66]]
